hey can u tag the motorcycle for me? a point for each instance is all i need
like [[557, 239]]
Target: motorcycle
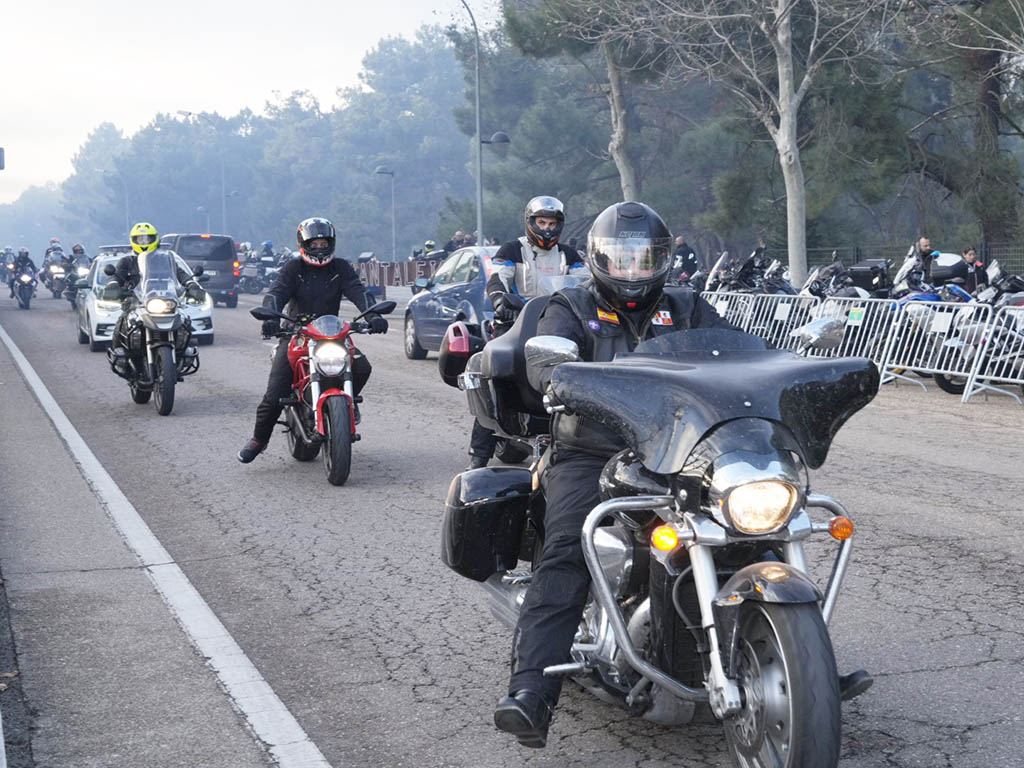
[[252, 277], [755, 274], [54, 278], [700, 590], [24, 285], [152, 349], [76, 268], [321, 412]]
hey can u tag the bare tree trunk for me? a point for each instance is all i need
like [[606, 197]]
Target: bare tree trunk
[[785, 136], [620, 128]]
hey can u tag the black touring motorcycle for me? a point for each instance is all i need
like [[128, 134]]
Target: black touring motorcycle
[[701, 594]]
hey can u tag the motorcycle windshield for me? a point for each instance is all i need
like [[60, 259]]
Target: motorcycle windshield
[[548, 284], [157, 276], [328, 325], [909, 264], [672, 390]]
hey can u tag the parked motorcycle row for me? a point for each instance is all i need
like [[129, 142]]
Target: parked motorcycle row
[[257, 271]]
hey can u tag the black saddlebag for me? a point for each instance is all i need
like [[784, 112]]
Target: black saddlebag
[[483, 520]]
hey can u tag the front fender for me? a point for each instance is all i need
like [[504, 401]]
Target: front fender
[[320, 409], [763, 582]]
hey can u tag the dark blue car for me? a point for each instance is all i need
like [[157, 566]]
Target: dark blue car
[[456, 287]]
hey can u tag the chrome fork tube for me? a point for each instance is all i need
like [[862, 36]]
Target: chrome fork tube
[[725, 693]]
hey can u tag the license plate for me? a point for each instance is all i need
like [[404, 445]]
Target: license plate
[[209, 271]]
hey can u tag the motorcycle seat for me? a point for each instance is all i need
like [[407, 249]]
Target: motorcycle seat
[[503, 360]]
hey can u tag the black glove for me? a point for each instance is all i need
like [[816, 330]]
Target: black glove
[[194, 291], [271, 327], [377, 323], [507, 307], [112, 291]]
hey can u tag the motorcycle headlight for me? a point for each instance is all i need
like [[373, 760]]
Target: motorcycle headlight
[[26, 278], [158, 306], [83, 271], [331, 359], [55, 269], [761, 507]]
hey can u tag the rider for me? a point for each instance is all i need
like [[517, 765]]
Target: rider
[[313, 285], [20, 262], [971, 270], [519, 266], [625, 302], [144, 240], [267, 250]]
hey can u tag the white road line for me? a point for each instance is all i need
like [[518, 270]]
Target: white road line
[[265, 713]]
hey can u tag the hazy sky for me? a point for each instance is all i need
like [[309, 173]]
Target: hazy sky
[[69, 65]]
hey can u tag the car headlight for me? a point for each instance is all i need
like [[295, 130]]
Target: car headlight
[[158, 306], [83, 271], [26, 278], [331, 359], [108, 306], [761, 507]]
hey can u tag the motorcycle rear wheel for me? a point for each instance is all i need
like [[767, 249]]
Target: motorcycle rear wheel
[[165, 379], [338, 440], [955, 385], [140, 396], [787, 668], [300, 449]]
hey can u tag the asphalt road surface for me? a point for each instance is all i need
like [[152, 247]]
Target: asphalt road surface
[[386, 658]]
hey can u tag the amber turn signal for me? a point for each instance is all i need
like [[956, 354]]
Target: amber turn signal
[[664, 538], [840, 528]]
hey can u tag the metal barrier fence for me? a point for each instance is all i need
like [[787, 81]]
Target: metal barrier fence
[[868, 325], [925, 339], [969, 347], [999, 349]]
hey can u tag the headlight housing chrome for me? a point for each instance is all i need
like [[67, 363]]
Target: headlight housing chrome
[[159, 306], [754, 494], [331, 359]]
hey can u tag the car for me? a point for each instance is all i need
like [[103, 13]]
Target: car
[[457, 286], [216, 255], [97, 316]]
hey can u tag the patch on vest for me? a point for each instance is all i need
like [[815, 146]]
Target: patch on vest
[[608, 317], [593, 325], [664, 317]]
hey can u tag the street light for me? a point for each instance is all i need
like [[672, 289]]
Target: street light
[[220, 135], [383, 170], [124, 187]]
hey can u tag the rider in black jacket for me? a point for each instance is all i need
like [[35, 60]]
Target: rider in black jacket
[[19, 263], [312, 285]]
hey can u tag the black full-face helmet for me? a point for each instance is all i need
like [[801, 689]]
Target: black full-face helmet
[[545, 207], [316, 229], [629, 254]]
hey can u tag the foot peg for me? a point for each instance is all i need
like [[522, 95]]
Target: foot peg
[[357, 398], [356, 437], [566, 670]]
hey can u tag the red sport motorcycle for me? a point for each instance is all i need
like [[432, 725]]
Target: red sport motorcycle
[[320, 412]]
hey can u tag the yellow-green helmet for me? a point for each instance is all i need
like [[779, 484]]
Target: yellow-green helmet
[[144, 237]]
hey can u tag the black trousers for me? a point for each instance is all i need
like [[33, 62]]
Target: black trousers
[[482, 441], [279, 384], [558, 591]]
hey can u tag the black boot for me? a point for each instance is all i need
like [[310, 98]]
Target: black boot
[[477, 462], [526, 715], [854, 684], [251, 450]]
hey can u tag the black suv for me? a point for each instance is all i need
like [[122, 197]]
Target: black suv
[[216, 255]]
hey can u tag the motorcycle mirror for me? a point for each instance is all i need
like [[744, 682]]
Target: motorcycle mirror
[[827, 333], [110, 270], [380, 308], [543, 352], [197, 270], [262, 313], [201, 278], [81, 285], [422, 283]]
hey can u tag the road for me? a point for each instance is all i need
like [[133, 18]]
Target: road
[[386, 658]]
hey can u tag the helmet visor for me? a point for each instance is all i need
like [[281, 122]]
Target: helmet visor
[[143, 239], [631, 260]]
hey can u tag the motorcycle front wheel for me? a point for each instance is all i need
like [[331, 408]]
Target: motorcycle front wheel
[[337, 440], [166, 376], [955, 385], [24, 296], [787, 670]]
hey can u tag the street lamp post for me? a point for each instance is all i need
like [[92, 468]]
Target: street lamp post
[[201, 210], [476, 139], [124, 188], [223, 189], [383, 170]]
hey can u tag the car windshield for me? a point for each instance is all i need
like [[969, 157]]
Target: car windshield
[[205, 247]]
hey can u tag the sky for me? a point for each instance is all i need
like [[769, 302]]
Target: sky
[[68, 66]]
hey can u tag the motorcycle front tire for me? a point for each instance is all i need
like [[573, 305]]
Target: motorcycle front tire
[[166, 376], [337, 440], [954, 385], [24, 297], [784, 652]]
